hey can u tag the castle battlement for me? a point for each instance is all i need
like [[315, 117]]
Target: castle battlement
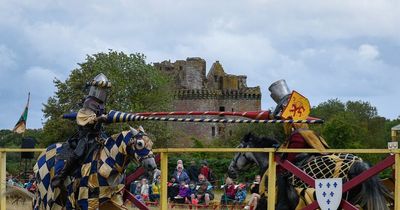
[[216, 91]]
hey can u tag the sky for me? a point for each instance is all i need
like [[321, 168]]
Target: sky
[[347, 50]]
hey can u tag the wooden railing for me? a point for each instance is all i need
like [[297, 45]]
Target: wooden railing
[[271, 176]]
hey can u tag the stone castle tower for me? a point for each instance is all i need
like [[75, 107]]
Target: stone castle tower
[[218, 91]]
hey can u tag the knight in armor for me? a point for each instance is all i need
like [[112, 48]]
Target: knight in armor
[[90, 129], [299, 136]]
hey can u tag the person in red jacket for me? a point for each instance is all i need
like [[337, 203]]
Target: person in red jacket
[[204, 169]]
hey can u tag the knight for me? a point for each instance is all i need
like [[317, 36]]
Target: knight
[[299, 136], [90, 119]]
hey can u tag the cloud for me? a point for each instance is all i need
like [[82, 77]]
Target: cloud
[[367, 51], [324, 49], [7, 59]]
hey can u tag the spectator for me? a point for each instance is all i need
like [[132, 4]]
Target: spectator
[[193, 171], [204, 169], [173, 189], [183, 194], [229, 192], [155, 189], [138, 189], [10, 180], [179, 162], [181, 175], [255, 196], [202, 179], [203, 194], [144, 190], [192, 189], [241, 193]]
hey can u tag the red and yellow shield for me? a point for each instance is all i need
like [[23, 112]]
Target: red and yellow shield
[[298, 107]]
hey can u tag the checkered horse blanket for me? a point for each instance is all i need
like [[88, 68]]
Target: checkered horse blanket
[[99, 180]]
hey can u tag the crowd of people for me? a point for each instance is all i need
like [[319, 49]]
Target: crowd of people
[[197, 186], [28, 184]]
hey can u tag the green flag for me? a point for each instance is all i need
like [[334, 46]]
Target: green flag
[[20, 127]]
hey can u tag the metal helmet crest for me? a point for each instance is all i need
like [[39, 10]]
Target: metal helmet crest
[[98, 87]]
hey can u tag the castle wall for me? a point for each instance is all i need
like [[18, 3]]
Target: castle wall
[[216, 92]]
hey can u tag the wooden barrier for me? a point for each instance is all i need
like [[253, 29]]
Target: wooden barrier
[[271, 179]]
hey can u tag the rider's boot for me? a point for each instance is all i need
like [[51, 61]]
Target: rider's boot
[[69, 167]]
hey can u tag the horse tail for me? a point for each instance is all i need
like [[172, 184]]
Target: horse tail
[[371, 194]]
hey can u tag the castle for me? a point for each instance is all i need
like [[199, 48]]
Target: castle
[[216, 91]]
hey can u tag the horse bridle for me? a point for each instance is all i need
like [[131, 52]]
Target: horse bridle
[[235, 159], [135, 138]]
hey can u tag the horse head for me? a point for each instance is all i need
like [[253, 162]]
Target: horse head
[[243, 160], [140, 146]]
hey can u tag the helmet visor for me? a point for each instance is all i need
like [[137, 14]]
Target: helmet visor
[[98, 92]]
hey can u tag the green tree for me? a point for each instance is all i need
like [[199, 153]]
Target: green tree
[[136, 87]]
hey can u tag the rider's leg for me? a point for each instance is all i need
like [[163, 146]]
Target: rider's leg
[[70, 164]]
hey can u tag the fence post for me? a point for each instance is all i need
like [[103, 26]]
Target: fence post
[[271, 181], [3, 183], [397, 181], [164, 180]]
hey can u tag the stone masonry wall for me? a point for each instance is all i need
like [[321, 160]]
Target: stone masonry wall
[[217, 91]]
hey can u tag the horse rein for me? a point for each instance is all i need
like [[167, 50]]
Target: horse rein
[[235, 159]]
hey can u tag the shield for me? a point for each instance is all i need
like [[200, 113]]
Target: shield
[[329, 193], [298, 107]]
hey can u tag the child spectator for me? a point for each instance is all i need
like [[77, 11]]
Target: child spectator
[[241, 193], [192, 190], [229, 192], [183, 193], [173, 189], [254, 188], [144, 191], [155, 188]]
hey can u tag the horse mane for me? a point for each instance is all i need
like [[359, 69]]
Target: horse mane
[[259, 142]]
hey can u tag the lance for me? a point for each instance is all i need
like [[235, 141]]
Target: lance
[[256, 115], [116, 116]]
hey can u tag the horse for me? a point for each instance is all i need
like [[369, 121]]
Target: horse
[[370, 195], [99, 182]]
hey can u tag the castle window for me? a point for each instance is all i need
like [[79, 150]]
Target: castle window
[[221, 131], [222, 109], [230, 132], [213, 131], [180, 67], [215, 78], [232, 110]]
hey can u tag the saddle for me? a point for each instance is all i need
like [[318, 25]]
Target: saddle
[[68, 148]]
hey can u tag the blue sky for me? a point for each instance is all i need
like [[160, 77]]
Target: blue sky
[[324, 49]]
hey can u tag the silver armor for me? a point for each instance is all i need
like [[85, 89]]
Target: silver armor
[[98, 87], [279, 90]]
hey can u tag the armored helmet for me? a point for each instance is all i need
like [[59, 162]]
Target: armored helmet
[[280, 93], [98, 87], [279, 90]]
